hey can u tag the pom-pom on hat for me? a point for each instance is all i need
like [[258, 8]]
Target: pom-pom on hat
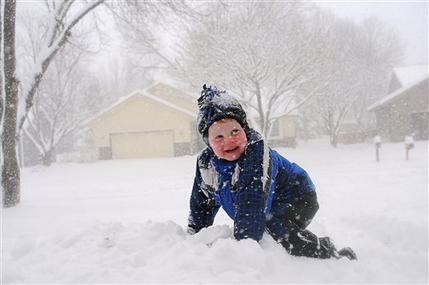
[[215, 105]]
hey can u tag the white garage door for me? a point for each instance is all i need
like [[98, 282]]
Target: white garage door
[[142, 144]]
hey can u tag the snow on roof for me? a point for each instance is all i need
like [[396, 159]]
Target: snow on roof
[[147, 95], [409, 74], [287, 107], [396, 93], [173, 106], [290, 111], [173, 95], [108, 108]]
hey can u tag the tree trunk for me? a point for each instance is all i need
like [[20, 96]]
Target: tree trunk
[[10, 172], [48, 157], [1, 70], [260, 108], [334, 140]]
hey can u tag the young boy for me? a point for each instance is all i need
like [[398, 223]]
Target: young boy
[[257, 187]]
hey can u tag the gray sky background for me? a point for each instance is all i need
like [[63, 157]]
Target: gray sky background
[[409, 18]]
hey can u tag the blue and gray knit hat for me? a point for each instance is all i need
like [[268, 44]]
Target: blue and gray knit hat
[[215, 105]]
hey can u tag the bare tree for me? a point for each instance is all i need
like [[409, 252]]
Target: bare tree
[[61, 104], [62, 21], [356, 61], [262, 52], [62, 17], [341, 69], [146, 25], [380, 50]]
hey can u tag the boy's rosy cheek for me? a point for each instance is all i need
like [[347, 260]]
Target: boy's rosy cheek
[[217, 145], [242, 139]]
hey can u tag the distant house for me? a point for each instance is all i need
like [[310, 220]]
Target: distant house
[[283, 130], [156, 122], [404, 111]]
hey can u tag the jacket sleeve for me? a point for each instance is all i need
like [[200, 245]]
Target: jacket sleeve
[[203, 208], [293, 185], [249, 220], [299, 182]]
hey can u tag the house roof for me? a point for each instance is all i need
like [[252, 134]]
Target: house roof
[[171, 105], [408, 77], [184, 105], [171, 94], [410, 74], [287, 108], [397, 93]]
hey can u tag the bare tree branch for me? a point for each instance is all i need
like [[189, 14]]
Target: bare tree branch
[[60, 35]]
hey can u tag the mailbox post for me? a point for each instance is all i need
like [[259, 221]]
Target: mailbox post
[[409, 144], [377, 145]]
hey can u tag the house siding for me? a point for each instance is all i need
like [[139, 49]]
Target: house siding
[[397, 119]]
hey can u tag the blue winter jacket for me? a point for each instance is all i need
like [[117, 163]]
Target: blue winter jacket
[[255, 190]]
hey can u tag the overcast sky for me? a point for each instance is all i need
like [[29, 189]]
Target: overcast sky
[[409, 18]]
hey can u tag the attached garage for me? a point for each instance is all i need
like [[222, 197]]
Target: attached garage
[[142, 144]]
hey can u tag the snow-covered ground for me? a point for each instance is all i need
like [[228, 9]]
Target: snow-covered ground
[[125, 222]]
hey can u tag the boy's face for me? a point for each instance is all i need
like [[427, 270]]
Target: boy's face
[[227, 139]]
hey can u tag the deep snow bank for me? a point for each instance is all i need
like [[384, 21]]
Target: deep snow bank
[[124, 222]]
